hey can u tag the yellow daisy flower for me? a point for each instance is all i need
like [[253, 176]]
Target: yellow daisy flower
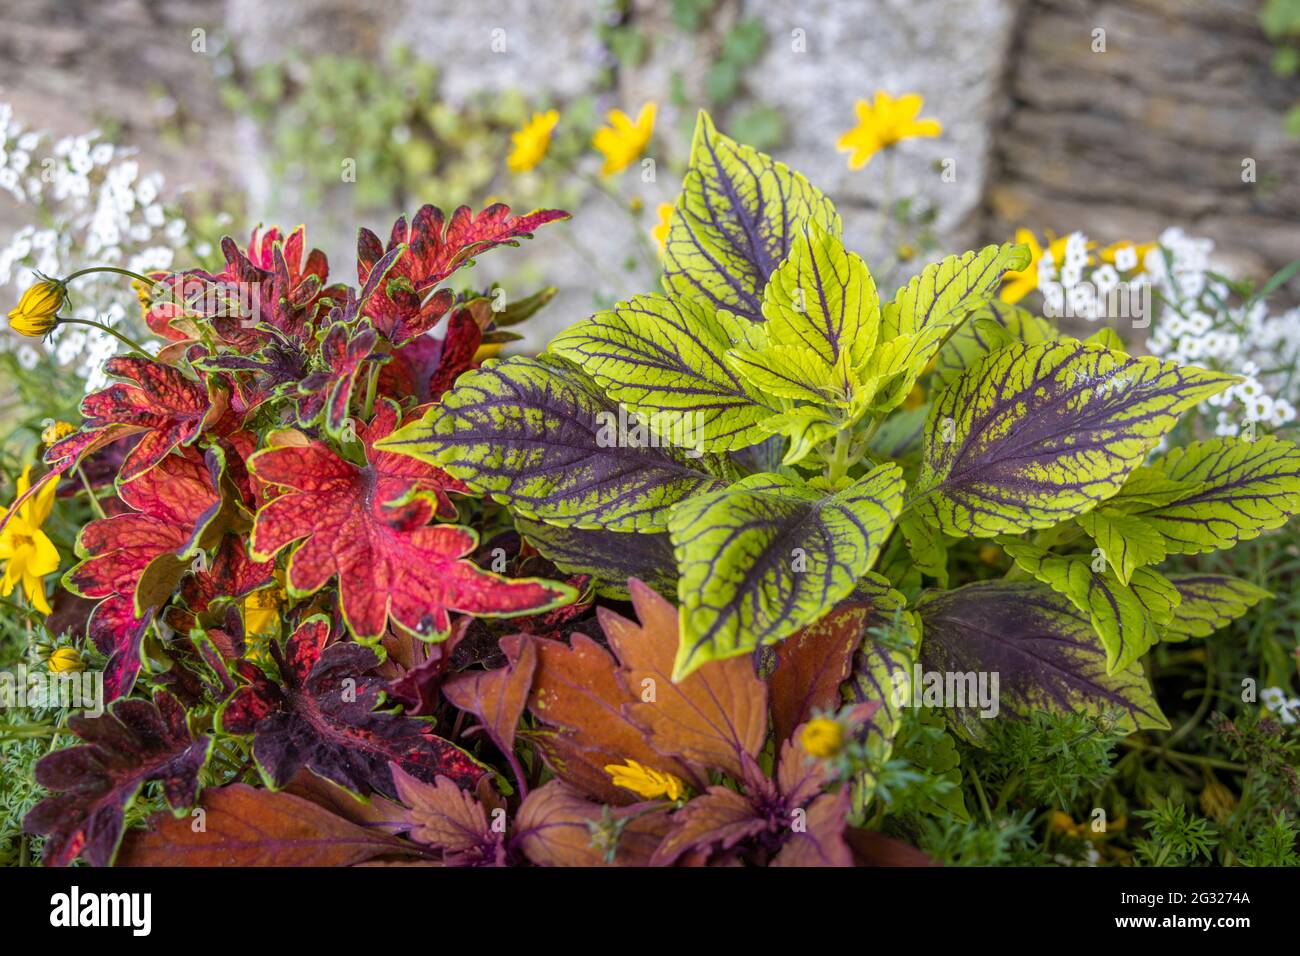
[[623, 141], [27, 553], [884, 123], [532, 141]]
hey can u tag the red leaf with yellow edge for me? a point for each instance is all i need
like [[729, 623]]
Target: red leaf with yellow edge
[[437, 247], [557, 826], [134, 743], [245, 826], [232, 576], [173, 504], [577, 691], [322, 717], [497, 697], [714, 717], [811, 665], [168, 408], [344, 352], [367, 527]]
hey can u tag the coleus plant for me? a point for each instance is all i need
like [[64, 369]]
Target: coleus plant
[[247, 503], [768, 439]]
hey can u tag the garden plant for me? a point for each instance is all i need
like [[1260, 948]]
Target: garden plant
[[767, 566]]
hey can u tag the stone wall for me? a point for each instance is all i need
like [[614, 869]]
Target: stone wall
[[1044, 132]]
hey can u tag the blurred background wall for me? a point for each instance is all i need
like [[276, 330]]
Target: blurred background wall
[[1116, 118]]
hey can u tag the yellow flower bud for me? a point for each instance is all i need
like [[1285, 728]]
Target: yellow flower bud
[[35, 313], [65, 660], [822, 737], [56, 431]]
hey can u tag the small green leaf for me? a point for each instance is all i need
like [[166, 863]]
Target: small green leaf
[[991, 327], [1210, 601], [1234, 490], [1126, 541]]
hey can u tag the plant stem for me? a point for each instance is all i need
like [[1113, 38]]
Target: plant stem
[[90, 493], [122, 272], [1190, 758], [134, 346]]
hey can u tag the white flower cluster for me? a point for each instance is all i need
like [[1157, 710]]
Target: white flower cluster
[[1200, 324], [94, 207], [1197, 319], [1275, 701]]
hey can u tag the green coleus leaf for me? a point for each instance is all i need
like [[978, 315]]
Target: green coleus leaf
[[926, 546], [770, 554], [735, 221], [1126, 541], [663, 359], [990, 328], [1127, 617], [882, 672], [823, 319], [927, 310], [1231, 491], [1035, 434], [1043, 649], [609, 557], [805, 427], [541, 437], [1209, 602]]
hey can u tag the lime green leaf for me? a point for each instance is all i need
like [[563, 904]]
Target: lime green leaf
[[1126, 541], [1044, 650], [663, 359], [735, 221], [538, 435], [1240, 489], [1128, 618], [786, 371], [882, 671], [934, 303], [991, 327], [806, 428], [823, 301], [768, 555], [1035, 434], [926, 546], [1210, 601]]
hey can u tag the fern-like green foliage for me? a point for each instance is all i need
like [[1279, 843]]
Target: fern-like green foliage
[[758, 432]]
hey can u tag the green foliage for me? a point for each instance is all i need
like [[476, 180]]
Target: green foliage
[[1052, 759], [773, 333], [1177, 838], [386, 117]]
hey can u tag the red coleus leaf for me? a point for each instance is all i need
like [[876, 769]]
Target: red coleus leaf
[[134, 743], [344, 351], [426, 367], [232, 576], [168, 408], [367, 527], [322, 717], [173, 504], [435, 248]]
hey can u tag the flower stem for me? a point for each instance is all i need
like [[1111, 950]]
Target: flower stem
[[133, 345], [123, 272]]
